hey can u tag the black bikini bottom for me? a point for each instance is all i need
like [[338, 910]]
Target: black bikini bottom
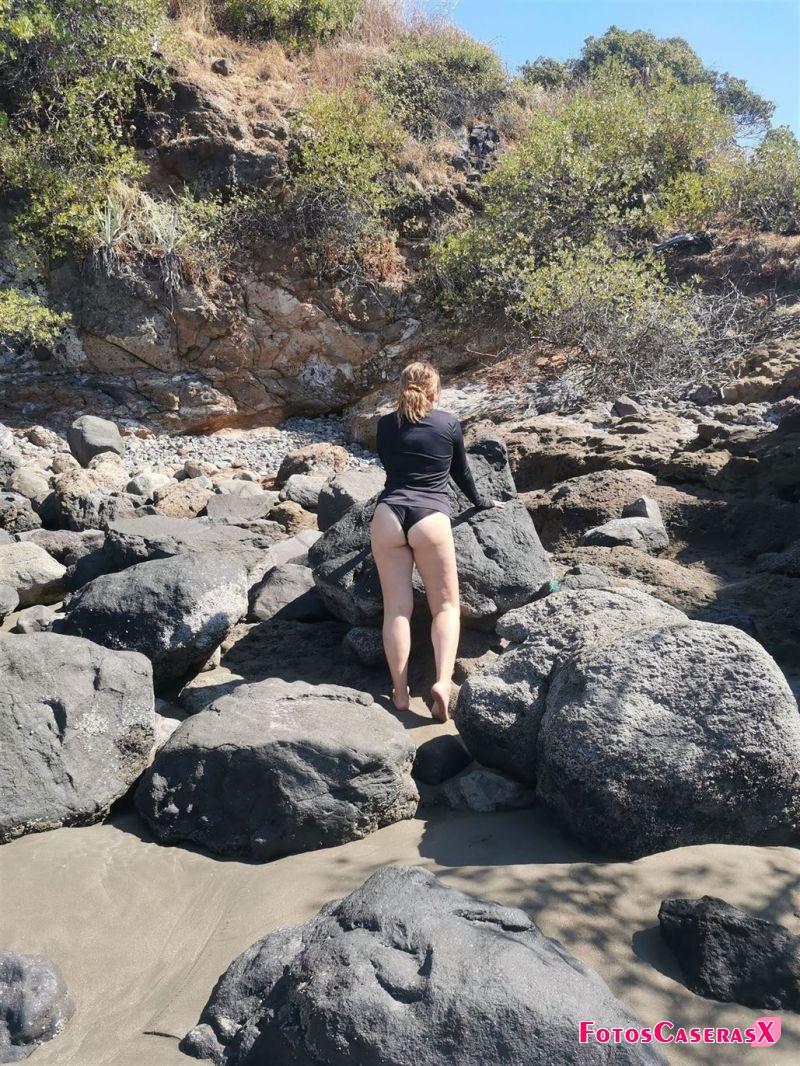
[[409, 516]]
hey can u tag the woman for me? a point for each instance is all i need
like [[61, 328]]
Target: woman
[[420, 448]]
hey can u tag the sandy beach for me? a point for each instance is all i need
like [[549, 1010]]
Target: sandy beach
[[141, 932]]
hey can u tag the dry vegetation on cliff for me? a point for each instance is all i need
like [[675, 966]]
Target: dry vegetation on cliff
[[381, 159]]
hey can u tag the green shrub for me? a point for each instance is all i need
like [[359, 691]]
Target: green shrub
[[292, 22], [594, 166], [68, 78], [767, 191], [648, 60], [344, 180], [438, 81], [23, 317]]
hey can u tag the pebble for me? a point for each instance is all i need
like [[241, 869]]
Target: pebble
[[253, 451]]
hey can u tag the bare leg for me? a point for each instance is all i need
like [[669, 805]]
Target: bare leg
[[395, 564], [431, 540]]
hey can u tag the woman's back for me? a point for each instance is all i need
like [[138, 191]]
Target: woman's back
[[420, 457]]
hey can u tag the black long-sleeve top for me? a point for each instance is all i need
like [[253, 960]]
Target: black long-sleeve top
[[420, 457]]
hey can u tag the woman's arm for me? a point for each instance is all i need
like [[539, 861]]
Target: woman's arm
[[461, 473]]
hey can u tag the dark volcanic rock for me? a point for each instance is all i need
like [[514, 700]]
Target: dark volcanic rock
[[153, 537], [89, 436], [176, 611], [501, 563], [17, 514], [407, 971], [344, 491], [671, 735], [439, 759], [287, 592], [34, 1004], [76, 730], [275, 768], [732, 956], [500, 708], [292, 651]]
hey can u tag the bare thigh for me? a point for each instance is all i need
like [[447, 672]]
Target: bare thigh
[[394, 560], [431, 540]]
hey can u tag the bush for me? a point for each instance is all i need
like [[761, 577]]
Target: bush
[[435, 82], [292, 22], [344, 182], [68, 77], [627, 330], [648, 60], [595, 166], [767, 191], [23, 317]]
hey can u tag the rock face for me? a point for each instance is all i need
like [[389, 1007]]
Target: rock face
[[729, 955], [34, 1004], [275, 768], [176, 611], [388, 974], [671, 735], [76, 730], [89, 436], [501, 563], [35, 575], [499, 709]]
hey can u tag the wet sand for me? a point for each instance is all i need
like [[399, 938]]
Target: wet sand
[[141, 932]]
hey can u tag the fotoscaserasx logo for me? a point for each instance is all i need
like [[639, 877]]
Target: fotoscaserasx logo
[[763, 1033]]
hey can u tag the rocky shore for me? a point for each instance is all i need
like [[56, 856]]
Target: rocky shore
[[192, 667]]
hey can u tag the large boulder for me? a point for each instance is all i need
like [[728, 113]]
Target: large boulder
[[406, 970], [154, 537], [731, 956], [304, 489], [34, 1004], [16, 513], [275, 767], [76, 730], [9, 600], [499, 709], [241, 510], [89, 436], [345, 490], [670, 735], [176, 611], [184, 499], [287, 592], [501, 563], [66, 546], [92, 498], [35, 575], [319, 458]]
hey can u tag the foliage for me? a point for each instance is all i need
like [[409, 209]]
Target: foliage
[[437, 81], [648, 60], [594, 166], [767, 191], [67, 81], [292, 22], [23, 317], [344, 178]]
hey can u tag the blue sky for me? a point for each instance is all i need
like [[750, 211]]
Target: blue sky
[[758, 40]]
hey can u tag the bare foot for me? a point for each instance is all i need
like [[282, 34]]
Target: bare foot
[[401, 705], [440, 701]]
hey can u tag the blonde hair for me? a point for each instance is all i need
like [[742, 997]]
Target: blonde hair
[[418, 382]]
